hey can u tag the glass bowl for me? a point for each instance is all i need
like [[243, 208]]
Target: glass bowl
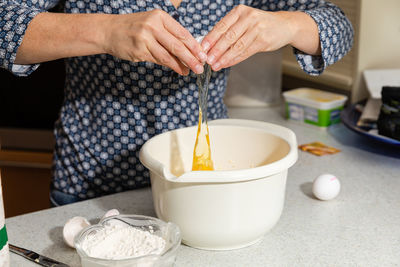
[[168, 231]]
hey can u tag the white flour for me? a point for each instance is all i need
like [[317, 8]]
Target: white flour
[[119, 241]]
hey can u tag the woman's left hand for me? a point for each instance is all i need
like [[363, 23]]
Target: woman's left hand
[[245, 31]]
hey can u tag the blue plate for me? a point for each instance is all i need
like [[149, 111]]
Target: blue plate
[[350, 116]]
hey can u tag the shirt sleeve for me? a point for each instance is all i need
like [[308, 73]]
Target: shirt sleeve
[[335, 31], [15, 17]]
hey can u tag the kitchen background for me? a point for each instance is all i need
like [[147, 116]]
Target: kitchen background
[[29, 105]]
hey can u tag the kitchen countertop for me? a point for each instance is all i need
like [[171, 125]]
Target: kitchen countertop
[[361, 227]]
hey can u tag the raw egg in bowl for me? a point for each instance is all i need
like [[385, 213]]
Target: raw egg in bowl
[[234, 205]]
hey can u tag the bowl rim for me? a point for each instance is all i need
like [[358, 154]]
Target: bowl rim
[[82, 253], [230, 176]]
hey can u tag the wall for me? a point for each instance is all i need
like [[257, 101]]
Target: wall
[[376, 46], [339, 75], [379, 40]]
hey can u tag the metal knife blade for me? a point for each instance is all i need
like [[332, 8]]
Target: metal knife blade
[[35, 257]]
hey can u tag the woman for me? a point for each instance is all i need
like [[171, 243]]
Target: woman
[[127, 70]]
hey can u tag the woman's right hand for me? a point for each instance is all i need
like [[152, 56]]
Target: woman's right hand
[[153, 36]]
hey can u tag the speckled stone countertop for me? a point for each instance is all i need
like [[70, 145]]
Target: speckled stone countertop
[[361, 227]]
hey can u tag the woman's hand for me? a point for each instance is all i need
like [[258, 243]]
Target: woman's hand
[[147, 36], [245, 31], [153, 36]]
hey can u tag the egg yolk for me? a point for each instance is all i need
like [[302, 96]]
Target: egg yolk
[[202, 152]]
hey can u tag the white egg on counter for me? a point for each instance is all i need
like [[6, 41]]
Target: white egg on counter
[[72, 228], [326, 187]]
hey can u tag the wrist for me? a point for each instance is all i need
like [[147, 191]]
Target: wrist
[[101, 27], [303, 31], [290, 21]]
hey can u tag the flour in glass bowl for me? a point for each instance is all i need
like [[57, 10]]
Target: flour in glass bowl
[[121, 241]]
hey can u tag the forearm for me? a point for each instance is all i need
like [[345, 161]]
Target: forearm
[[304, 32], [318, 30], [52, 36], [152, 36]]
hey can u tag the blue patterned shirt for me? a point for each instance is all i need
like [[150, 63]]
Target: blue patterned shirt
[[112, 106]]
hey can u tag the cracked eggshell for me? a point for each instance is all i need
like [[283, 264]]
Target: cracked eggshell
[[72, 228], [110, 213]]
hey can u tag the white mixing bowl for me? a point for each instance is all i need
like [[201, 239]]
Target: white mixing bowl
[[235, 205]]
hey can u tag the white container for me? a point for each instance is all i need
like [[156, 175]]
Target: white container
[[4, 253], [313, 106], [255, 82], [235, 205]]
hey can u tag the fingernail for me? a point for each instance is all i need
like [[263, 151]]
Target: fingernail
[[210, 59], [216, 66], [199, 69], [203, 57], [206, 46]]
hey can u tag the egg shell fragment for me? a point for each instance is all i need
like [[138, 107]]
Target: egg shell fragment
[[72, 228], [112, 212]]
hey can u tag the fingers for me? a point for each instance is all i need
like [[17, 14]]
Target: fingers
[[161, 56], [218, 31], [241, 46], [185, 37], [179, 50], [228, 40], [182, 35], [251, 50], [236, 37]]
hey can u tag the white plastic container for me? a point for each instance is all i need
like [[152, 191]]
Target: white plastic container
[[235, 205], [313, 106], [4, 253], [255, 82]]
